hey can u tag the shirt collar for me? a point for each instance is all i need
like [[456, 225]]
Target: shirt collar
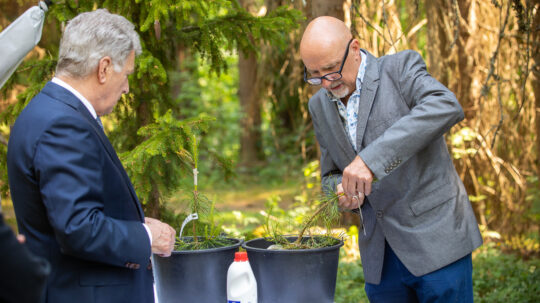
[[84, 101], [359, 76]]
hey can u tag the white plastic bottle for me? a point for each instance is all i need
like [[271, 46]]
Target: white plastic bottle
[[241, 284]]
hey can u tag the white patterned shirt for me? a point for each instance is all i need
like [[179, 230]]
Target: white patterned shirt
[[349, 113]]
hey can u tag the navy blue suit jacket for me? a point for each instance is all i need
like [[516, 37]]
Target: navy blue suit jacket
[[75, 203]]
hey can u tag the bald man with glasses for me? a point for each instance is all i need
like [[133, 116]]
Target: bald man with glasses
[[380, 124]]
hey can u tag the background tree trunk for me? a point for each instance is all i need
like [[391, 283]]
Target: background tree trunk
[[536, 80], [251, 148], [450, 26], [332, 8]]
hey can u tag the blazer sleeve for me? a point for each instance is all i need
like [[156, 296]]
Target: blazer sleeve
[[23, 276], [69, 161], [434, 110]]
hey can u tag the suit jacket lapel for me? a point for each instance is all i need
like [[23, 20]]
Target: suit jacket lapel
[[112, 153], [367, 95], [336, 125], [65, 96]]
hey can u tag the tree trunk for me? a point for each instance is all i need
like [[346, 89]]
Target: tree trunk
[[448, 45], [332, 8], [536, 82], [251, 151]]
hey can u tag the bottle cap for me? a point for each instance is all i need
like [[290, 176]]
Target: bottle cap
[[240, 256]]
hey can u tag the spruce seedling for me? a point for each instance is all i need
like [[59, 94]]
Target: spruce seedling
[[201, 208]]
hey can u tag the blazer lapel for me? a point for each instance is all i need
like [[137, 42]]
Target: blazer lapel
[[61, 94], [340, 136], [112, 153], [369, 90]]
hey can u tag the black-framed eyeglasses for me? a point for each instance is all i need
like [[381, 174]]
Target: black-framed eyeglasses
[[333, 76]]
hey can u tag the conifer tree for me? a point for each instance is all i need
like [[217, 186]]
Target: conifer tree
[[145, 127]]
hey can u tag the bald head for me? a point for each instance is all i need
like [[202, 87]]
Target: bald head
[[324, 35]]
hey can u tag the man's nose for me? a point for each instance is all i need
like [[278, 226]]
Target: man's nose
[[326, 83]]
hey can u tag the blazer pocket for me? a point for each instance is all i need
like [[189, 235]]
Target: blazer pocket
[[431, 200], [104, 276]]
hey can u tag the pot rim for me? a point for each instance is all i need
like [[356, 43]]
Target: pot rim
[[209, 250], [245, 245]]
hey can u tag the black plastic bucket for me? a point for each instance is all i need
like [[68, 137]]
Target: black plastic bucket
[[194, 275], [303, 275]]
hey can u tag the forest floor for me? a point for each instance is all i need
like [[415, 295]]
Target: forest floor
[[246, 195]]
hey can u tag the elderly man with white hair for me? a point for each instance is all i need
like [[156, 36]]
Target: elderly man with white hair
[[73, 200]]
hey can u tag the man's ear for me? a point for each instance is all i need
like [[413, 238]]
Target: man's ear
[[104, 67], [355, 45]]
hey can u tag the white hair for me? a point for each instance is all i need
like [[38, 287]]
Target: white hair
[[91, 36]]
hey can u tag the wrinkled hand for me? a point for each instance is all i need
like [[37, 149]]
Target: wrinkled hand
[[348, 202], [357, 178], [163, 237]]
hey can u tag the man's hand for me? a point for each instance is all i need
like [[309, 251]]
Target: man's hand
[[163, 237], [21, 238], [357, 178], [347, 202]]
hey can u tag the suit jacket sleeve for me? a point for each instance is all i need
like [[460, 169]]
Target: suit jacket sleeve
[[68, 161], [434, 110], [23, 275]]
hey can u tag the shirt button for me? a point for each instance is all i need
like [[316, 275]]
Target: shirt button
[[379, 214]]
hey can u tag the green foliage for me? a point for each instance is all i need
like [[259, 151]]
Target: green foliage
[[203, 91], [164, 154], [155, 159], [38, 70], [499, 277], [350, 283]]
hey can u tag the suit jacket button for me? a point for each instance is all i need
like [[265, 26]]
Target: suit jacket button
[[132, 265], [379, 214]]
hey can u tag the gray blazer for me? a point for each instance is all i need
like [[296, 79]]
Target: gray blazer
[[419, 204]]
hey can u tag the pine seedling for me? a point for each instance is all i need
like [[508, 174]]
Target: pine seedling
[[326, 212]]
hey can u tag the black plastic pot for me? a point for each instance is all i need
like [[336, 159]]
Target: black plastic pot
[[194, 275], [303, 275]]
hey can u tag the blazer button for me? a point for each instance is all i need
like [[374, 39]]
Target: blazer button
[[379, 214], [132, 265]]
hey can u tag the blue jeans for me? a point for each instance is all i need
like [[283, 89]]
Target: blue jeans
[[452, 283]]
